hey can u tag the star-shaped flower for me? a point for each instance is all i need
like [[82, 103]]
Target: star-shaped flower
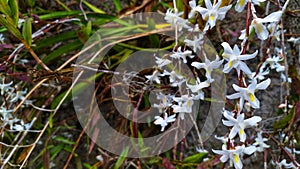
[[273, 62], [248, 93], [197, 88], [184, 105], [154, 77], [164, 121], [182, 54], [195, 43], [175, 20], [212, 13], [235, 59], [239, 124], [208, 66], [260, 142], [258, 24], [162, 62], [4, 87], [240, 5], [235, 154]]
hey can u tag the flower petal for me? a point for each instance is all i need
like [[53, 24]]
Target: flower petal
[[234, 96], [263, 85], [227, 50], [261, 31], [273, 17], [249, 150], [252, 121], [208, 4], [247, 57], [245, 68], [198, 65], [240, 5]]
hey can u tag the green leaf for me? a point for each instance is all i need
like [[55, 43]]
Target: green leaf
[[59, 14], [10, 27], [155, 160], [14, 11], [56, 150], [63, 140], [195, 158], [93, 8], [285, 121], [84, 32], [51, 120], [27, 31], [179, 5], [62, 50], [118, 5], [49, 41], [30, 3], [121, 158], [4, 7]]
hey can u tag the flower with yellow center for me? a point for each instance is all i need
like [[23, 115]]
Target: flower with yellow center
[[235, 154], [240, 5], [184, 105], [239, 124], [258, 25], [235, 59], [248, 93], [212, 13], [209, 66]]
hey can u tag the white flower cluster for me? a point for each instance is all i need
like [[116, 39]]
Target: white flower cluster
[[237, 120], [9, 97]]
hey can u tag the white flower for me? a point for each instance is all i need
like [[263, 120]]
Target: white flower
[[294, 150], [174, 78], [260, 29], [194, 29], [284, 78], [18, 95], [1, 38], [235, 59], [6, 114], [277, 33], [212, 13], [4, 87], [208, 66], [284, 164], [182, 54], [195, 43], [193, 11], [200, 150], [20, 22], [175, 20], [153, 77], [165, 101], [273, 62], [234, 154], [164, 121], [261, 74], [239, 124], [197, 88], [162, 62], [21, 127], [184, 105], [240, 5], [260, 142], [248, 93]]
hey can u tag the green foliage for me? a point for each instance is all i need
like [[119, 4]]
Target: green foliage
[[122, 158], [27, 31], [195, 158], [285, 121]]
